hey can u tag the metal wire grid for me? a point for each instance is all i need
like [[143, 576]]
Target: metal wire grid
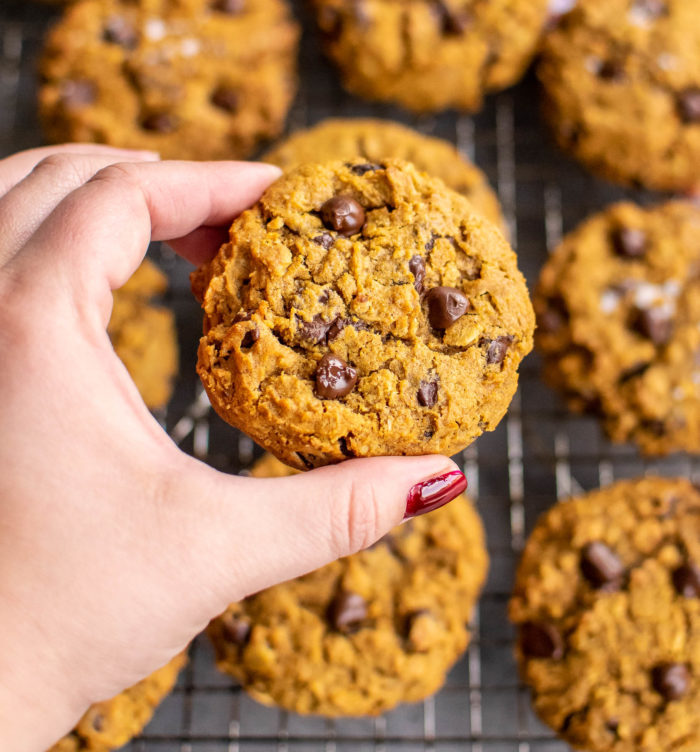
[[540, 453]]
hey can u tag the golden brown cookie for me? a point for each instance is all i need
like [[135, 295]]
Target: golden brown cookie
[[607, 605], [379, 139], [362, 309], [365, 633], [431, 54], [111, 724], [192, 79], [143, 335], [618, 307], [622, 85]]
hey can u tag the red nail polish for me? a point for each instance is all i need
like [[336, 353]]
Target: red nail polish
[[434, 493]]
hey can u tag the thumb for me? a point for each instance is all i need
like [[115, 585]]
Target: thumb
[[256, 532]]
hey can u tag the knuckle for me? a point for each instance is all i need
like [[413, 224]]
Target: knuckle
[[358, 524]]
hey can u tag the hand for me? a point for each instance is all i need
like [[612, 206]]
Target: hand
[[116, 548]]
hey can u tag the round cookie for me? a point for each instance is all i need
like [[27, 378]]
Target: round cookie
[[622, 90], [191, 79], [607, 605], [618, 307], [377, 139], [429, 55], [111, 724], [369, 631], [143, 335], [362, 309]]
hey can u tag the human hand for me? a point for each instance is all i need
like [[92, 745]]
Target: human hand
[[116, 548]]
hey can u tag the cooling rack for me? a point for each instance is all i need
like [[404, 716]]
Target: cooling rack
[[539, 453]]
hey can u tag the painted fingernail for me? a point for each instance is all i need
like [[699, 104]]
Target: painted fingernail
[[434, 493]]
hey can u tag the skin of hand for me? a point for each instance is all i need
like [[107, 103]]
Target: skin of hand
[[116, 548]]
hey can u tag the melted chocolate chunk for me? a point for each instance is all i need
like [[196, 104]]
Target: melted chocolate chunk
[[430, 244], [655, 324], [348, 611], [453, 22], [315, 330], [689, 105], [496, 353], [325, 240], [686, 580], [118, 30], [361, 169], [671, 680], [242, 315], [553, 318], [226, 98], [445, 306], [231, 7], [236, 629], [629, 242], [250, 338], [79, 93], [343, 214], [98, 722], [427, 393], [611, 70], [334, 377], [344, 448], [601, 566], [160, 122], [541, 640], [417, 268]]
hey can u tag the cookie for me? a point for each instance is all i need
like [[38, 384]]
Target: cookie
[[369, 631], [429, 55], [607, 606], [111, 724], [362, 309], [618, 307], [191, 79], [143, 335], [375, 140], [622, 90]]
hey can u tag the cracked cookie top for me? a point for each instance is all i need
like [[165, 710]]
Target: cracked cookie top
[[366, 632], [618, 311], [607, 605], [191, 79], [622, 84], [362, 309]]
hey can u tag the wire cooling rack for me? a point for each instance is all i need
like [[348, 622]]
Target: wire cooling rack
[[539, 453]]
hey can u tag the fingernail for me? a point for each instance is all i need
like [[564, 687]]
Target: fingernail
[[434, 493]]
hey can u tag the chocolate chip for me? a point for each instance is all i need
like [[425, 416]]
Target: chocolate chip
[[325, 240], [348, 611], [427, 393], [361, 169], [629, 242], [160, 122], [344, 448], [417, 268], [686, 580], [334, 377], [689, 105], [308, 464], [226, 98], [79, 93], [232, 7], [236, 629], [611, 70], [496, 353], [600, 565], [250, 338], [119, 31], [98, 722], [654, 324], [671, 680], [451, 20], [445, 306], [553, 318], [343, 214], [336, 328], [242, 315], [315, 330], [430, 244], [541, 640]]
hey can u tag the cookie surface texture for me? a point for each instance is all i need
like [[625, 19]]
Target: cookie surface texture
[[618, 307], [364, 633], [191, 79], [607, 605], [622, 90], [362, 312]]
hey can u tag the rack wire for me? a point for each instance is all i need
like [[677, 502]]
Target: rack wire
[[539, 453]]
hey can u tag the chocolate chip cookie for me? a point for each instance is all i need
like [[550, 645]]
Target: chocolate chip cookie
[[192, 79], [365, 633], [607, 606], [618, 308], [362, 309], [111, 724], [429, 55], [143, 335], [622, 86], [375, 140]]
